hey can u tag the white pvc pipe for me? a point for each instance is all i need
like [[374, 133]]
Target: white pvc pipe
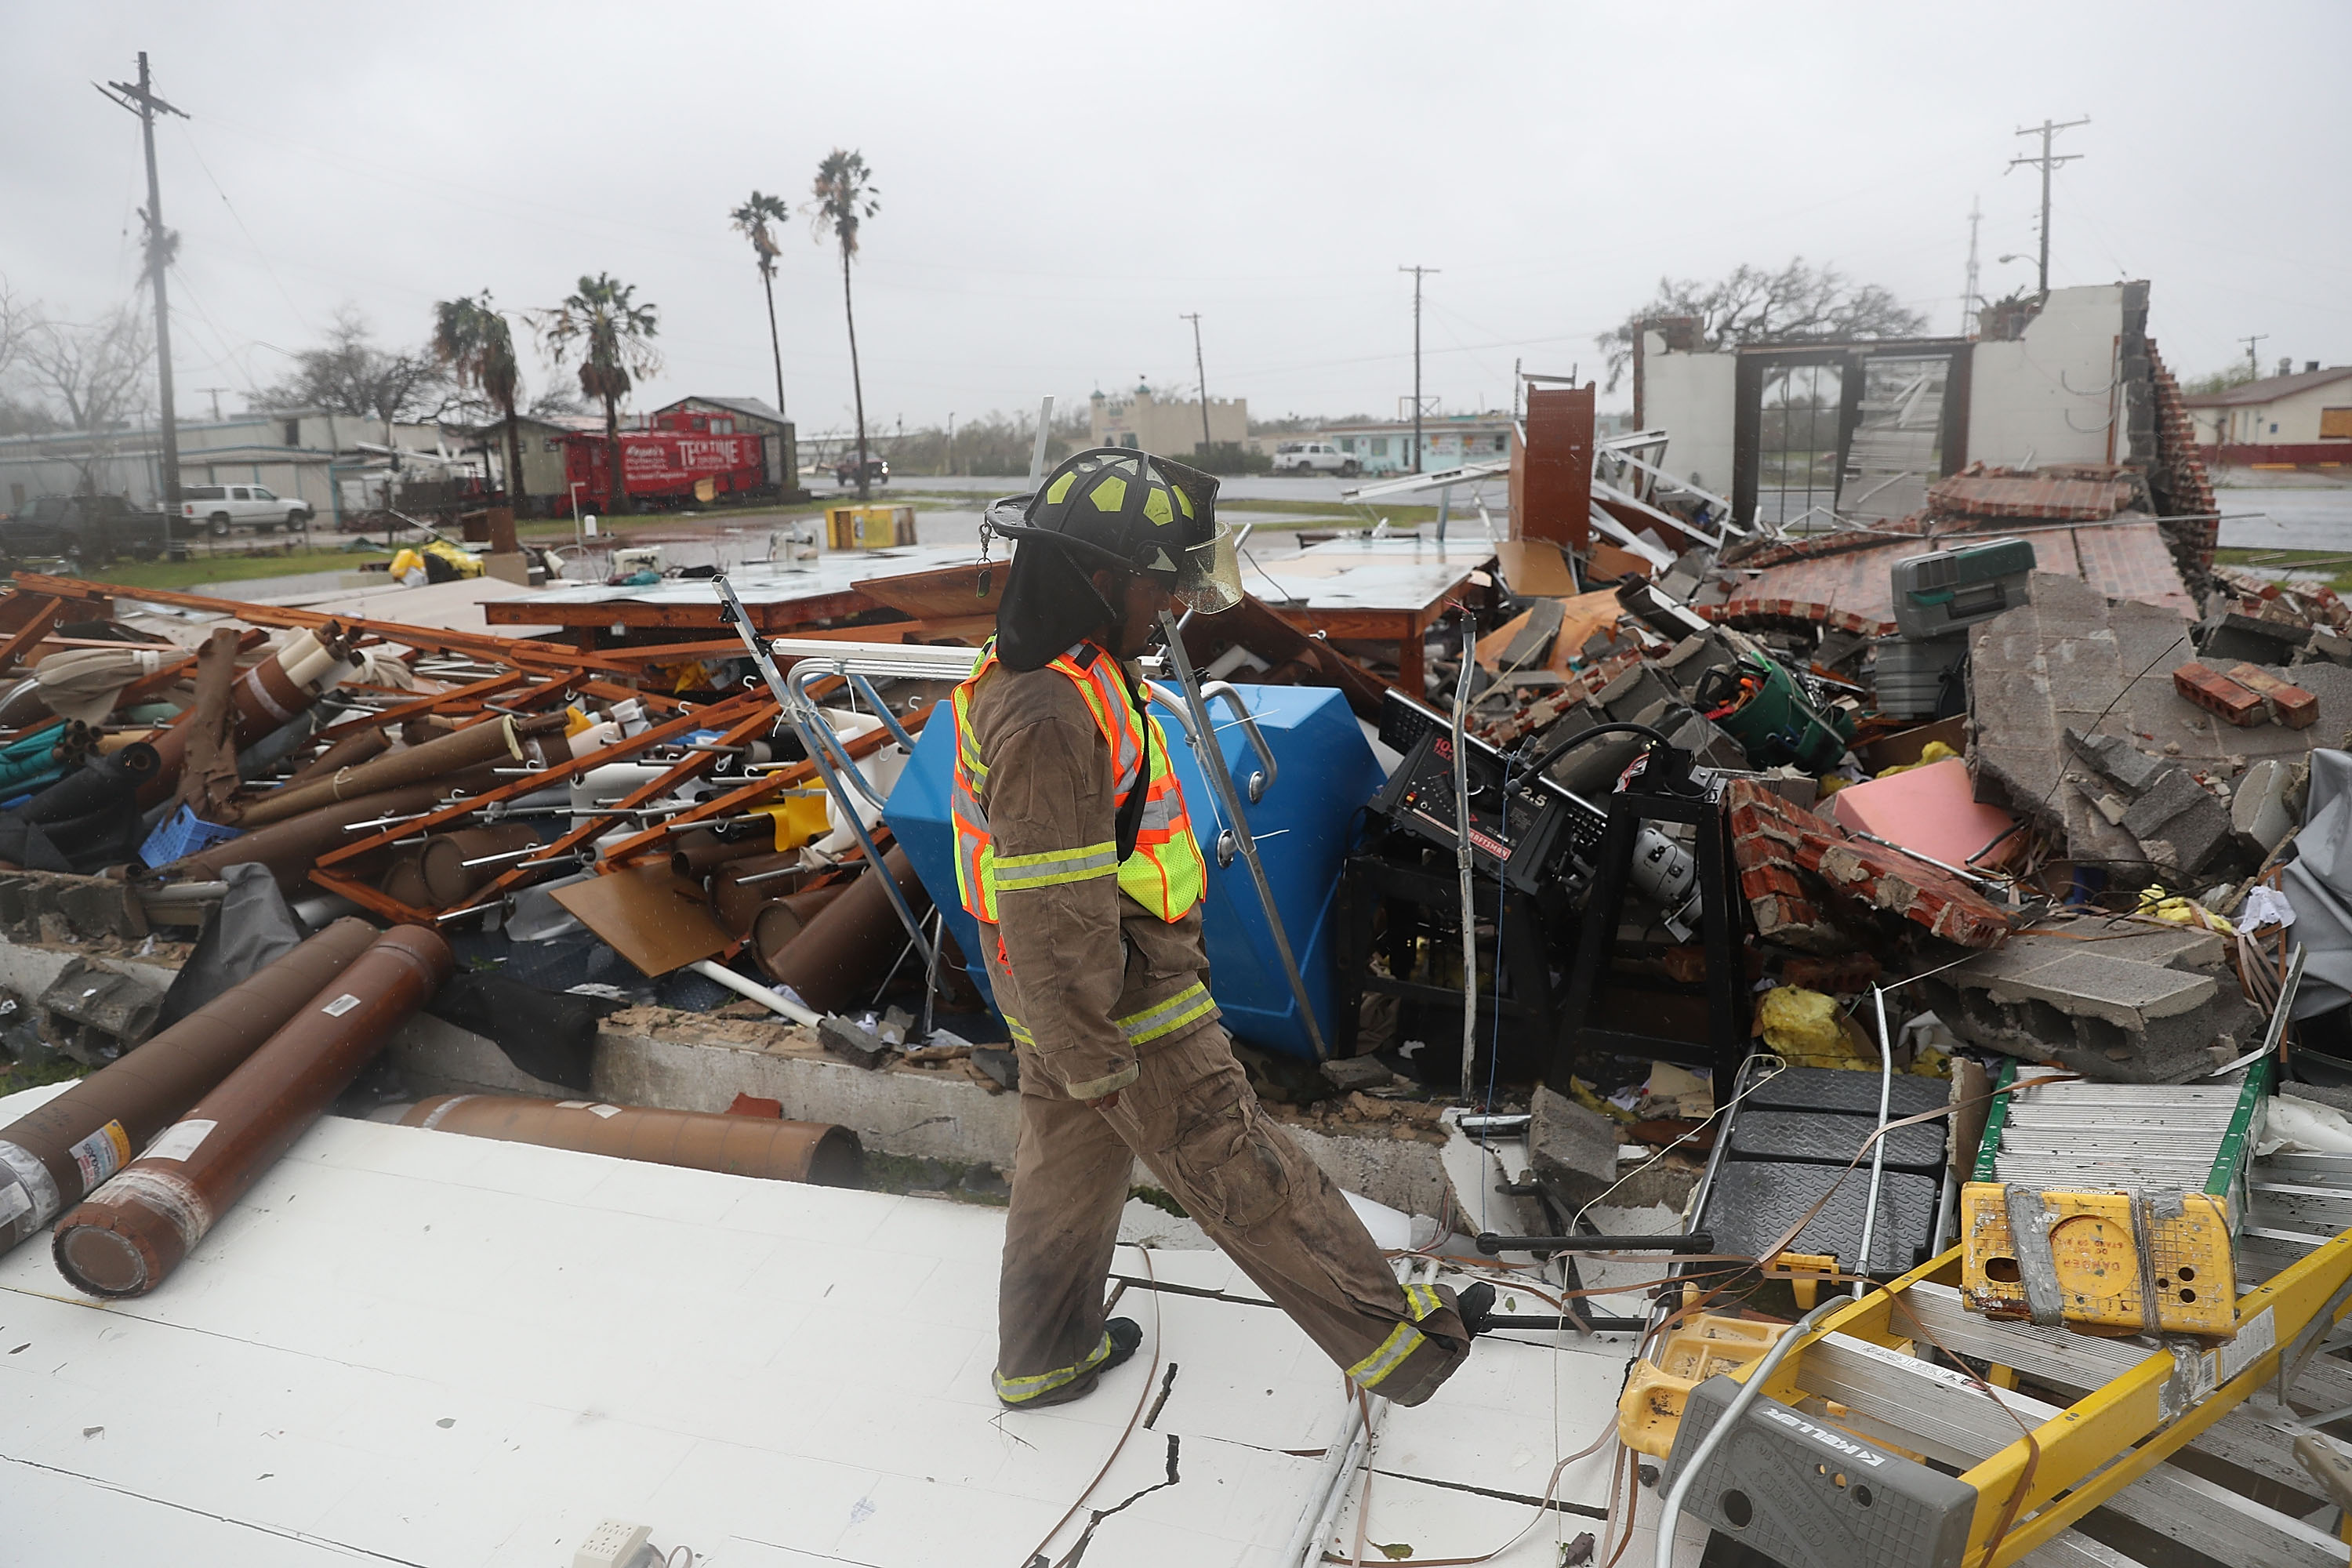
[[756, 992]]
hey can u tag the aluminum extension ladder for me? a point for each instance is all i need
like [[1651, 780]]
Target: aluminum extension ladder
[[1844, 1460]]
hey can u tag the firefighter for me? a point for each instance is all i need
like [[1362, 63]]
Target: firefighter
[[1075, 853]]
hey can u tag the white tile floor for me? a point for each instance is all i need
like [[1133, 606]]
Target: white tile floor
[[410, 1347]]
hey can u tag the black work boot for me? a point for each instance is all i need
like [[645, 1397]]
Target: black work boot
[[1124, 1335], [1474, 1306]]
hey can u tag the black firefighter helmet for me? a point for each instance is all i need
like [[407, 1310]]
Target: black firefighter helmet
[[1115, 507]]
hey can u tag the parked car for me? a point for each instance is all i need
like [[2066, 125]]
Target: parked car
[[845, 472], [1314, 458], [216, 509], [89, 527]]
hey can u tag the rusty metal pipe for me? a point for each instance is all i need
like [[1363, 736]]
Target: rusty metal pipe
[[290, 848], [494, 740], [127, 1239], [699, 852], [434, 875], [358, 746], [812, 1151], [775, 921], [52, 1156], [841, 954], [264, 697], [737, 903]]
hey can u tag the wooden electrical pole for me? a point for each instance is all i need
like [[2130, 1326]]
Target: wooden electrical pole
[[2046, 162], [1417, 273], [1203, 369], [141, 101]]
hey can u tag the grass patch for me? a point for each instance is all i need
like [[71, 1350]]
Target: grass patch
[[20, 1077], [2332, 567], [1326, 510], [207, 570]]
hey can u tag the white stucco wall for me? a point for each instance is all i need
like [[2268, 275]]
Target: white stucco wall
[[1691, 398], [2047, 398]]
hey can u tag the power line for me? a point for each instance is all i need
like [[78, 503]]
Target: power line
[[2046, 162]]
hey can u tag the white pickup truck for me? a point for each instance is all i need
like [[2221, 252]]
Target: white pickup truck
[[216, 509], [1314, 458]]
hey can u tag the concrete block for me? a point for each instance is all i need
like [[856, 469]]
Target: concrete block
[[854, 1044], [2290, 704], [2326, 647], [2231, 637], [2116, 759], [2143, 1008], [2179, 826], [1357, 1072], [1574, 1150], [1634, 690], [2220, 696], [2127, 993], [2262, 809]]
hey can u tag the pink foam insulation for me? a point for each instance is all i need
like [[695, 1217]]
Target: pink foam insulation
[[1931, 809]]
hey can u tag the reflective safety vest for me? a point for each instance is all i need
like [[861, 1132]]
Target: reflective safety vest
[[1164, 871]]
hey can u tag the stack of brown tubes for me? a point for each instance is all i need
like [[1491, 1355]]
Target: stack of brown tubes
[[127, 1239], [811, 1152], [490, 741], [52, 1157], [837, 951]]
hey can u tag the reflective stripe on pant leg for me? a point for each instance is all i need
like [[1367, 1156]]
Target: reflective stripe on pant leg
[[1166, 1016], [1420, 1301], [1020, 1032], [1015, 1390]]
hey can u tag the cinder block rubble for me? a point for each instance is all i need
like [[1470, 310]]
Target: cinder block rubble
[[1574, 1151], [2142, 1008]]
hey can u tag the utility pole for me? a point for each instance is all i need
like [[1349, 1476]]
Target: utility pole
[[214, 392], [2254, 365], [2046, 162], [950, 442], [1201, 368], [1417, 273], [1969, 294], [161, 242]]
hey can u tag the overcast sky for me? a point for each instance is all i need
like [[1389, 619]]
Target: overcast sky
[[1059, 183]]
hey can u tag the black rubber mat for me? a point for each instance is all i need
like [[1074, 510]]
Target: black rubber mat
[[1752, 1202], [1817, 1136], [1827, 1089]]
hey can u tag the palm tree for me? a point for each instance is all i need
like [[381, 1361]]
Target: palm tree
[[612, 336], [751, 219], [471, 338], [846, 193]]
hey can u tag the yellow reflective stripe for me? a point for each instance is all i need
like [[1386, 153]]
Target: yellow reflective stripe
[[1423, 1300], [1168, 1016], [1020, 1032], [1402, 1340], [1014, 1390], [1053, 867]]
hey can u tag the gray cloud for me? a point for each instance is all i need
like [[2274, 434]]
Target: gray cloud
[[1060, 181]]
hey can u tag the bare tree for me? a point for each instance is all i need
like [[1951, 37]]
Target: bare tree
[[1754, 305], [94, 375], [349, 373], [17, 318]]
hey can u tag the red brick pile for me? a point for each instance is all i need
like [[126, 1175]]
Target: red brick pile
[[1788, 856], [1978, 491]]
